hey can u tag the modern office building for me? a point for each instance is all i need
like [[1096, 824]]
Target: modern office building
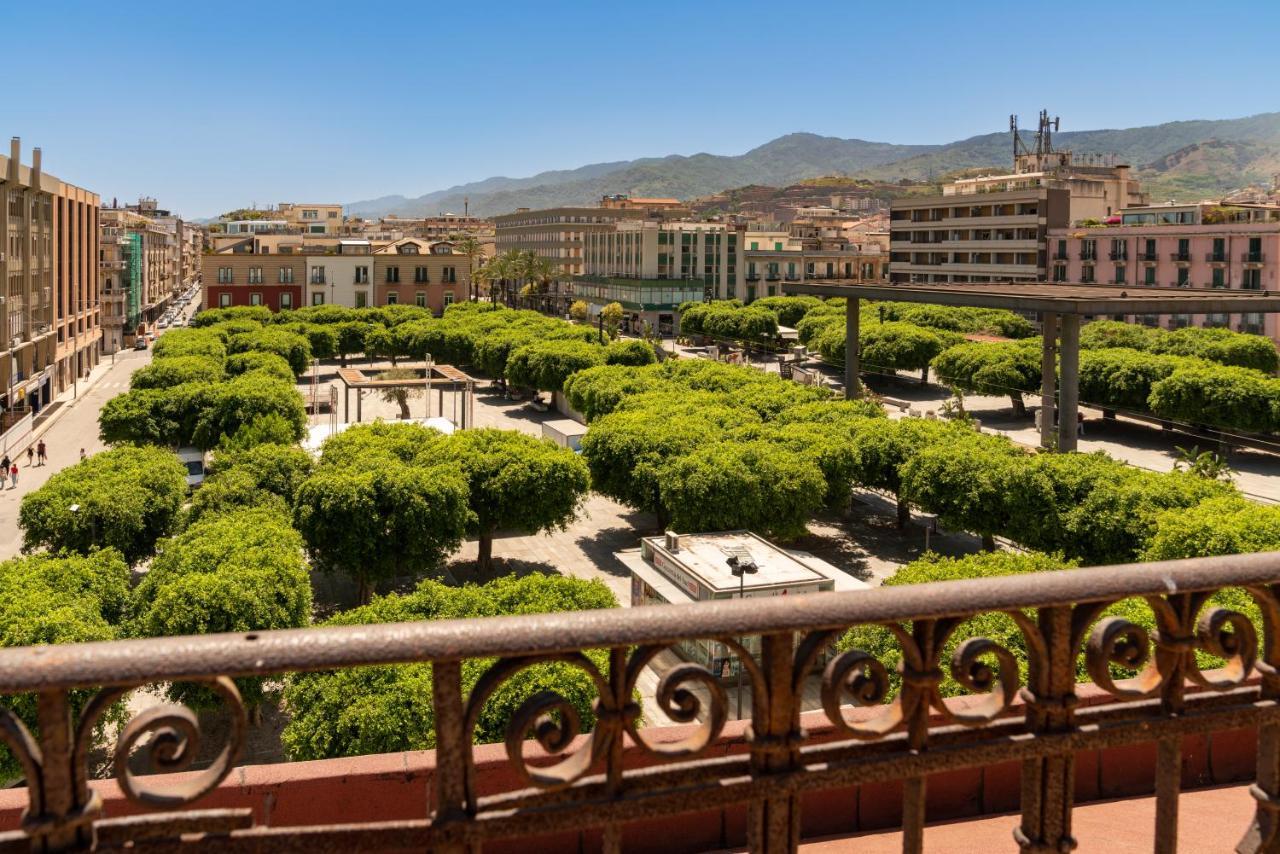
[[1233, 247], [49, 270], [994, 228]]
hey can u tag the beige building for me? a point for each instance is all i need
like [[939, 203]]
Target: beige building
[[440, 227], [993, 228], [148, 257], [49, 270], [311, 219]]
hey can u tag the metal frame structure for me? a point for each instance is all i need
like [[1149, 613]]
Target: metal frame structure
[[1062, 621], [1061, 308], [438, 377]]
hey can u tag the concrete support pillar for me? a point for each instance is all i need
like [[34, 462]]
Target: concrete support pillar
[[852, 384], [359, 401], [1069, 393], [1048, 377]]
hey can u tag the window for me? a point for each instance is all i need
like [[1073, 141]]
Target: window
[[310, 214], [1251, 280], [1086, 274], [224, 300], [286, 276], [1184, 277], [362, 275], [1059, 273], [362, 299], [1061, 254], [317, 275], [393, 298], [448, 275], [420, 275], [1120, 274], [393, 275], [224, 275], [755, 244], [255, 299], [448, 298], [1149, 276], [255, 275], [286, 301], [1088, 250], [420, 299], [777, 246], [1219, 277], [333, 214], [317, 298], [1219, 249]]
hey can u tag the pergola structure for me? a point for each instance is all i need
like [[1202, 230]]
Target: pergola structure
[[442, 378], [1060, 307]]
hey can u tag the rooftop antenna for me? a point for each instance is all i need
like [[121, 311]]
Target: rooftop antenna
[[1018, 146], [1044, 135]]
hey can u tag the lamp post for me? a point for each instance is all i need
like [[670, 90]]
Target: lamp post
[[741, 569]]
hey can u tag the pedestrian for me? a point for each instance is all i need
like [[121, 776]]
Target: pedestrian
[[40, 453], [31, 454], [83, 455], [1079, 423], [4, 467], [13, 476]]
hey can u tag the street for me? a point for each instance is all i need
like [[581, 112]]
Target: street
[[74, 428]]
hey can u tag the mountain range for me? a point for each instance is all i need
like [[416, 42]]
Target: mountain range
[[1184, 159]]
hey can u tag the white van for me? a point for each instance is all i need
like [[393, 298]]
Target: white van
[[194, 459]]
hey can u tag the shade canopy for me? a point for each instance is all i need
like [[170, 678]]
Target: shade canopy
[[1058, 297]]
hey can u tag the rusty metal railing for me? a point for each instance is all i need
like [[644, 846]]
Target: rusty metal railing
[[916, 733]]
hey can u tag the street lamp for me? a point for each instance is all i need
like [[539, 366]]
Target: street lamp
[[741, 568]]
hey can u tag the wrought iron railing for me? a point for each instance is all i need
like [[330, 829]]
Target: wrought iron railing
[[1061, 617]]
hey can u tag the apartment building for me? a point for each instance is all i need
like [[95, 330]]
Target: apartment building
[[412, 271], [147, 257], [244, 278], [49, 271], [772, 259], [348, 271], [559, 234], [994, 227], [311, 219], [440, 227], [1179, 246]]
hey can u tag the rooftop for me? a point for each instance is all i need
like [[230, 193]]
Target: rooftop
[[705, 556]]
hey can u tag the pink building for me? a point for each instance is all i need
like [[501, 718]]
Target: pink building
[[1179, 246]]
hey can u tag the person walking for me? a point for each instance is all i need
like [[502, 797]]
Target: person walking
[[13, 476], [31, 455], [83, 455], [41, 455], [4, 467]]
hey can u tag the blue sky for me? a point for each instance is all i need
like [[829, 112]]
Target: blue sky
[[212, 106]]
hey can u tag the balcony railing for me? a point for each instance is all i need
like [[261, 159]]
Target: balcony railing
[[1118, 256], [1088, 256], [1253, 257], [1216, 258], [1180, 257], [1147, 256], [1063, 621]]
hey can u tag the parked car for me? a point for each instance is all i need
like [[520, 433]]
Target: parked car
[[140, 344], [194, 461]]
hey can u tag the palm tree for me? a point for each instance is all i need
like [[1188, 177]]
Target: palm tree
[[469, 246], [543, 271]]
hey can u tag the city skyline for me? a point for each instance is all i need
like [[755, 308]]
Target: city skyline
[[209, 113]]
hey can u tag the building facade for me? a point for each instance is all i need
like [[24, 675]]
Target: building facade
[[994, 228], [147, 258], [419, 272], [49, 272], [242, 278], [1234, 247]]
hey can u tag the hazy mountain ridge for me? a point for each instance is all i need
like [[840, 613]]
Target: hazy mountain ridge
[[1216, 155]]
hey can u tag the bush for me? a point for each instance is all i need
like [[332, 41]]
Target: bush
[[364, 710], [598, 391], [255, 360], [545, 365], [631, 352], [896, 346], [190, 342], [1233, 398], [1101, 334], [1011, 368], [1123, 378], [126, 499], [211, 316], [788, 310], [1220, 526]]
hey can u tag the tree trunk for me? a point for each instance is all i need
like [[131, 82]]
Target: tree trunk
[[484, 552], [924, 375], [364, 591], [904, 513], [344, 360], [988, 543], [403, 400], [1019, 408]]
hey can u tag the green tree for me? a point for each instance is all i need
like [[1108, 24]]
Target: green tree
[[720, 486], [632, 353], [897, 346], [470, 247], [237, 571], [788, 310], [964, 482], [367, 513], [1234, 398], [290, 346], [516, 482], [545, 365], [47, 599], [1220, 526], [243, 400], [1223, 346], [880, 450], [125, 498], [266, 363], [1102, 334], [363, 710], [579, 310], [1011, 368], [612, 314], [598, 391], [176, 370], [155, 416], [1122, 377], [190, 342], [412, 387]]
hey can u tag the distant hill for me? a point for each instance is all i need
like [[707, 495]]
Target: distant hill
[[1185, 159]]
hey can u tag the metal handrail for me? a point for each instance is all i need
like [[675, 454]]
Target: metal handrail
[[124, 662]]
